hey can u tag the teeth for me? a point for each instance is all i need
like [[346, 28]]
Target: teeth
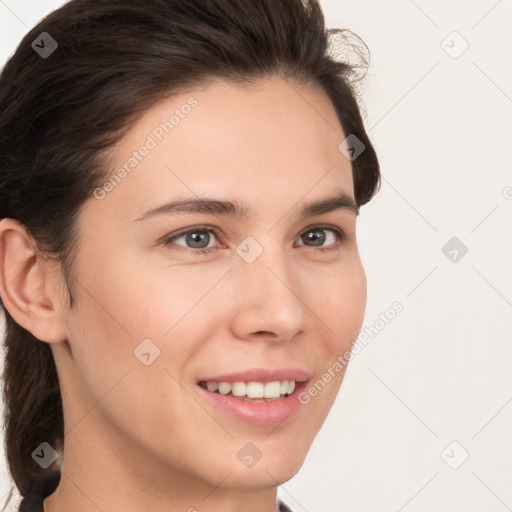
[[255, 390], [239, 388], [212, 386], [224, 388], [250, 390], [273, 389]]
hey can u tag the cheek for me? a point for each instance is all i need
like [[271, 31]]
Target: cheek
[[113, 315], [149, 300], [342, 306], [124, 308]]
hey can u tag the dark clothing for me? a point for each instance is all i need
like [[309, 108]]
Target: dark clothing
[[46, 485]]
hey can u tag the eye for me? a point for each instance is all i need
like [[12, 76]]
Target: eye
[[197, 240], [317, 236]]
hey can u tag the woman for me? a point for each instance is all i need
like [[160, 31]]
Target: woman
[[179, 187]]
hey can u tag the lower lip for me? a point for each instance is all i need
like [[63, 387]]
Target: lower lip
[[258, 413]]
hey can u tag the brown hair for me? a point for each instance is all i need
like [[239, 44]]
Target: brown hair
[[60, 114]]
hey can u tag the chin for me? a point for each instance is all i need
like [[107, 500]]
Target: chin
[[261, 478], [270, 471]]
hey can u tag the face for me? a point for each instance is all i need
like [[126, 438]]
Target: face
[[172, 302]]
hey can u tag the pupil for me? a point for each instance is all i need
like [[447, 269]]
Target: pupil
[[196, 238]]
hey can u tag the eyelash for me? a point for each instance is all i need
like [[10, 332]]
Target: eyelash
[[333, 247]]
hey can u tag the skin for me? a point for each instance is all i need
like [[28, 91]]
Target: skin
[[140, 437]]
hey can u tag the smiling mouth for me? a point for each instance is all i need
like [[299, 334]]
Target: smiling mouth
[[251, 391]]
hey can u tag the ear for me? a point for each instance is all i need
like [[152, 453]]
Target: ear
[[30, 297]]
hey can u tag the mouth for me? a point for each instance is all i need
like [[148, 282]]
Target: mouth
[[251, 391], [259, 397]]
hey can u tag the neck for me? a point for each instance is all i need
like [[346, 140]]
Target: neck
[[112, 496]]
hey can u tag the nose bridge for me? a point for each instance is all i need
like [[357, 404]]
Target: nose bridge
[[269, 298]]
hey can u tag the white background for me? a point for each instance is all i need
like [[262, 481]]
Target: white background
[[441, 370]]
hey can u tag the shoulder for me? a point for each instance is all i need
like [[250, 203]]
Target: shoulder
[[33, 499]]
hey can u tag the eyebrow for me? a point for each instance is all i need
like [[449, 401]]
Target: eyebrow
[[339, 201]]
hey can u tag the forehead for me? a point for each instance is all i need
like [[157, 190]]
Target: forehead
[[273, 139]]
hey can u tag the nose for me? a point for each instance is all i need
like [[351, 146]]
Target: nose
[[269, 302]]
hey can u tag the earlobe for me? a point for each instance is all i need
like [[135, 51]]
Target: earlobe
[[22, 285]]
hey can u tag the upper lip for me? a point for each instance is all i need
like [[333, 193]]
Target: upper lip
[[261, 375]]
